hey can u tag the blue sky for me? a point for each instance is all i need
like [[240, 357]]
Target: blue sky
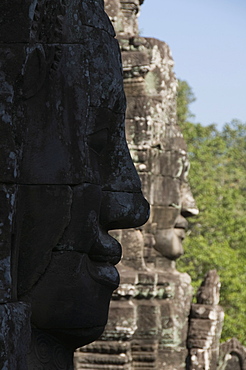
[[208, 43]]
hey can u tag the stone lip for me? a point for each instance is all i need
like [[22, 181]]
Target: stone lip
[[103, 273]]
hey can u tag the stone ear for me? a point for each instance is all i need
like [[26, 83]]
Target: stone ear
[[34, 71]]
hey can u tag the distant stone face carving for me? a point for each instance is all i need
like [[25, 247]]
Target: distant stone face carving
[[157, 145], [65, 162], [156, 142]]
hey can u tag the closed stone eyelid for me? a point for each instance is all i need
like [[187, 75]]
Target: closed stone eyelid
[[173, 205]]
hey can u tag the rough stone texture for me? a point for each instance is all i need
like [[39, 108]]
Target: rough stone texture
[[124, 14], [232, 356], [14, 335], [66, 175], [147, 324], [206, 320], [148, 320], [14, 315]]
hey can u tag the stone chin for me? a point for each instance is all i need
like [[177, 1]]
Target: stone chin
[[75, 338], [168, 242], [71, 300]]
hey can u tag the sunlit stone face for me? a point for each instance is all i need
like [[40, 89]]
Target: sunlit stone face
[[156, 142], [172, 202], [72, 173], [163, 167]]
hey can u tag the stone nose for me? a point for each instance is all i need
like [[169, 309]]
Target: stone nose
[[181, 223], [122, 210]]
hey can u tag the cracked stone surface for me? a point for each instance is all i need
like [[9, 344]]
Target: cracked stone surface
[[66, 176]]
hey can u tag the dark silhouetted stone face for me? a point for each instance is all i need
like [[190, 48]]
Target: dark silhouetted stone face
[[66, 171]]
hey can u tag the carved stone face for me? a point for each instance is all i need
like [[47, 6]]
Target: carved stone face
[[74, 176], [171, 207], [156, 143], [164, 169]]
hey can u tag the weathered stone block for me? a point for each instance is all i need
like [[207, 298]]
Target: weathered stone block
[[168, 186], [147, 319], [209, 312], [21, 13], [171, 358], [132, 243], [12, 129], [163, 216], [8, 197], [50, 212], [15, 335], [122, 321]]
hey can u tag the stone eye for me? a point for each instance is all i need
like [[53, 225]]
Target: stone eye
[[174, 206], [98, 140]]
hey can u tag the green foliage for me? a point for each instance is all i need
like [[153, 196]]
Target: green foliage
[[217, 235], [185, 96]]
